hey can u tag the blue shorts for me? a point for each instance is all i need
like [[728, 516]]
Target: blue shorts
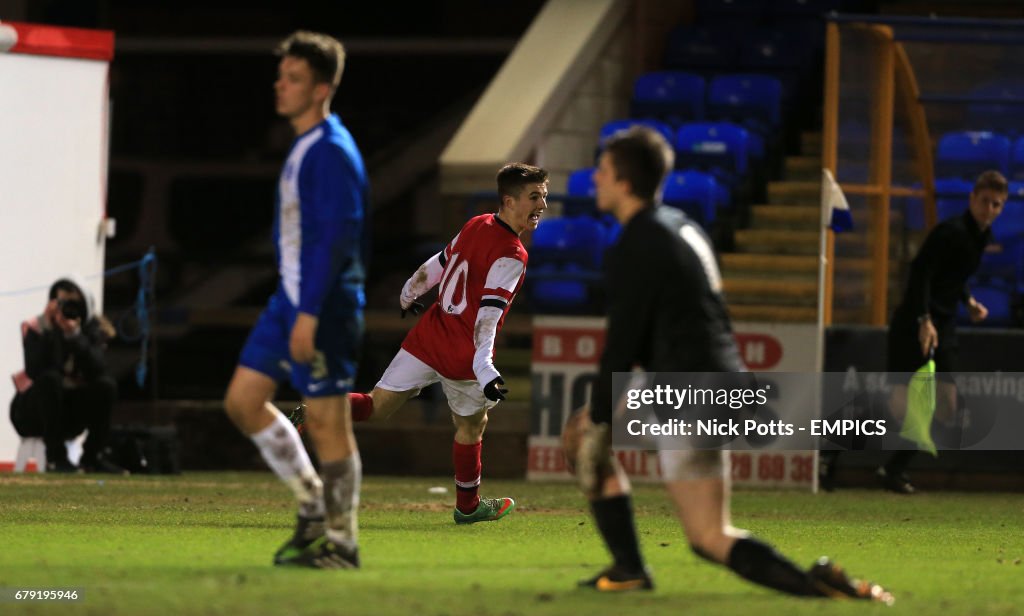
[[339, 337]]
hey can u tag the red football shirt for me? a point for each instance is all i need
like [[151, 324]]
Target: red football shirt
[[483, 266]]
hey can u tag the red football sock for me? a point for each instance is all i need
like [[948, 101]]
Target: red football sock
[[362, 406], [467, 476]]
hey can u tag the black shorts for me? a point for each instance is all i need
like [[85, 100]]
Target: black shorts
[[903, 350]]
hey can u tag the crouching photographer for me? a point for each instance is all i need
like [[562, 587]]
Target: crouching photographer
[[64, 388]]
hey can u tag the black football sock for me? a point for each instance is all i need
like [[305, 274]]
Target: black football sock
[[614, 518], [759, 563]]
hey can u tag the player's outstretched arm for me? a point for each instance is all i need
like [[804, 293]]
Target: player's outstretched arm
[[426, 277]]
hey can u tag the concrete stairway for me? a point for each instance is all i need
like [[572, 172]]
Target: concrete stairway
[[773, 273]]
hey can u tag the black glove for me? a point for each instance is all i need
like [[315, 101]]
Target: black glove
[[415, 308], [494, 393]]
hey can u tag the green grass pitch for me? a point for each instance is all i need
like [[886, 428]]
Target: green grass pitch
[[202, 543]]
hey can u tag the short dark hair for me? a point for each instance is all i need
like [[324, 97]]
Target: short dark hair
[[642, 157], [67, 286], [991, 180], [325, 54], [514, 176]]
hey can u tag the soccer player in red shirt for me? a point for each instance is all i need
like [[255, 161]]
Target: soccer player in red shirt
[[479, 272]]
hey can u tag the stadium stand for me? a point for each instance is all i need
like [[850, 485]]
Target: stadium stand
[[966, 154], [720, 148], [565, 260], [695, 193], [672, 97]]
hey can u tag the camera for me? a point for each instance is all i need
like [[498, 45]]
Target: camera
[[71, 308]]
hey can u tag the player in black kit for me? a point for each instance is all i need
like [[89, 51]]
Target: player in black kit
[[666, 314]]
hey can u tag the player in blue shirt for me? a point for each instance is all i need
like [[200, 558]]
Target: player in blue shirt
[[311, 329]]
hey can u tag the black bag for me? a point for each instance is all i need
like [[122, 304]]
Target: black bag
[[148, 450]]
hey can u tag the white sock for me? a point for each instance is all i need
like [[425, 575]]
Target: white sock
[[341, 482], [282, 448]]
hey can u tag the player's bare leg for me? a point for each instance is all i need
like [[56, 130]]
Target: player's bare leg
[[329, 422], [698, 483], [469, 507], [248, 405]]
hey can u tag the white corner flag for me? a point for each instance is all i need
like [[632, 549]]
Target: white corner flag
[[835, 211]]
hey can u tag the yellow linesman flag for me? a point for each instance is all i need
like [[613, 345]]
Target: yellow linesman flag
[[921, 408]]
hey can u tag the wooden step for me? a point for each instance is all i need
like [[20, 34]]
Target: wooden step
[[785, 216], [770, 291], [740, 265], [739, 291], [810, 143], [808, 168], [773, 314], [769, 263], [805, 242], [802, 168], [777, 241], [766, 313], [794, 193]]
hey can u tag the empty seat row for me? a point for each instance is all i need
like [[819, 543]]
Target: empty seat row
[[951, 199], [697, 193], [966, 154], [723, 149], [739, 9], [674, 97], [726, 47], [565, 262]]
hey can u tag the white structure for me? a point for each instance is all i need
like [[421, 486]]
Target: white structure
[[54, 109]]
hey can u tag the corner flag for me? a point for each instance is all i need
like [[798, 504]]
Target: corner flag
[[921, 408], [835, 210]]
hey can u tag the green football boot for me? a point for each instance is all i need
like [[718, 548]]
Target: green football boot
[[488, 510]]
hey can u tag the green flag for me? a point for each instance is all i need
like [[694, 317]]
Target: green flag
[[921, 408]]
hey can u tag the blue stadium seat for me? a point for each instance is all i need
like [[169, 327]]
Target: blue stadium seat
[[1003, 113], [1003, 261], [581, 183], [704, 49], [730, 9], [693, 192], [673, 97], [580, 193], [565, 260], [720, 148], [772, 49], [610, 128], [752, 101], [967, 154], [612, 229], [1017, 157], [951, 197], [1010, 224], [575, 239], [803, 8], [997, 298]]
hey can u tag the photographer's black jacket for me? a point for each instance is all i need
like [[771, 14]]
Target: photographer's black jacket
[[665, 307], [78, 359]]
